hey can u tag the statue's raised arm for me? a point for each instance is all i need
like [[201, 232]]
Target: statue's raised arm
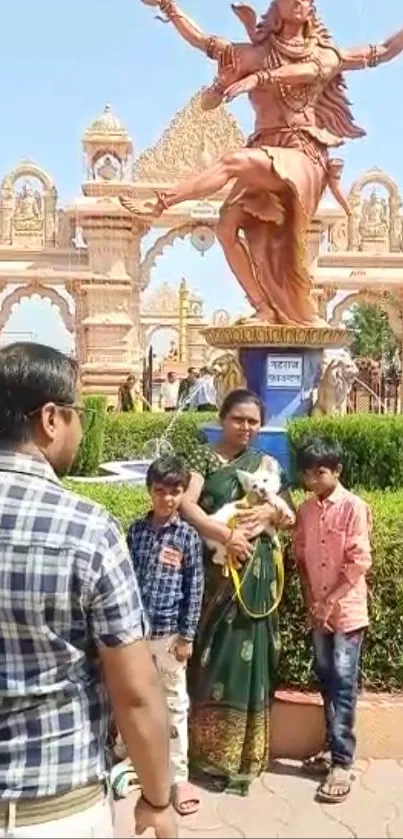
[[358, 58], [215, 48]]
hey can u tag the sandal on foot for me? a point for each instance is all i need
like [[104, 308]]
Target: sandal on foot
[[317, 765], [186, 799], [337, 786]]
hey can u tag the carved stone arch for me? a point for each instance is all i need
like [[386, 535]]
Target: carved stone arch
[[386, 303], [46, 293], [36, 229], [377, 177], [166, 240], [158, 327], [27, 169]]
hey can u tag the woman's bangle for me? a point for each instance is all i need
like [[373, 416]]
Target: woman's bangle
[[157, 807]]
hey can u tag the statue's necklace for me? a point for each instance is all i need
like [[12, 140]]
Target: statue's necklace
[[297, 97]]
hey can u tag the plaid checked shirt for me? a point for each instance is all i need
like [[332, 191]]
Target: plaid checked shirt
[[168, 562], [66, 582]]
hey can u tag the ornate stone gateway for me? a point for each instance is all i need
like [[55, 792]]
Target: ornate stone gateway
[[90, 259]]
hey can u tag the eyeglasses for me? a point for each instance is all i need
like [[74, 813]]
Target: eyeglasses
[[85, 415]]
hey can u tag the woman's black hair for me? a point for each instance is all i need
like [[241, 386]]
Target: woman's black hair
[[241, 396], [31, 375]]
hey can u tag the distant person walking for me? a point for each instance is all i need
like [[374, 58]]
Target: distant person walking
[[130, 397], [204, 396], [169, 393], [187, 385]]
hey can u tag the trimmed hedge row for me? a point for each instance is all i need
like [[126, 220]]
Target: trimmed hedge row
[[383, 654], [126, 435], [372, 445]]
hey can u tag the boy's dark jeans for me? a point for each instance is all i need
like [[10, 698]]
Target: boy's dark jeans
[[337, 662]]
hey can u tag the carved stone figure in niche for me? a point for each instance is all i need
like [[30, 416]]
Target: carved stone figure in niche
[[374, 222], [28, 209], [172, 354], [221, 318], [108, 169]]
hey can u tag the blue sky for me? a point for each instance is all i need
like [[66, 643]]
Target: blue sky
[[62, 61]]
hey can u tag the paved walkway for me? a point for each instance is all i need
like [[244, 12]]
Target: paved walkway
[[281, 804]]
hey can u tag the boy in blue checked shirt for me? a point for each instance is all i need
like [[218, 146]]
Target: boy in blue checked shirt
[[168, 560]]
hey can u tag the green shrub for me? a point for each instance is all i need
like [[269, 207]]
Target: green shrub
[[383, 653], [123, 501], [372, 444], [127, 434], [90, 453]]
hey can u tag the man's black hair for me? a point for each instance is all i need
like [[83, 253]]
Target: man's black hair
[[315, 452], [31, 375], [170, 471]]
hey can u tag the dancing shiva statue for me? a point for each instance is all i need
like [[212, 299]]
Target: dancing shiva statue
[[293, 74]]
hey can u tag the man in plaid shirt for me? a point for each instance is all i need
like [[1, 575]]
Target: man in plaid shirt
[[70, 609], [167, 557]]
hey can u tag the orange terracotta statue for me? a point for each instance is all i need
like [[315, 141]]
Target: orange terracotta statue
[[292, 72]]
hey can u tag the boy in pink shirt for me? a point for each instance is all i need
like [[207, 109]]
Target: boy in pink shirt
[[333, 553]]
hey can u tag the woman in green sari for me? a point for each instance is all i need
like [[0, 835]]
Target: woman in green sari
[[232, 676]]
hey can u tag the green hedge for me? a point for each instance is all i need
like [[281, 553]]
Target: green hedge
[[90, 453], [372, 444], [127, 434], [383, 654]]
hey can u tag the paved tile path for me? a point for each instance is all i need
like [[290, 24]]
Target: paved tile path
[[281, 804]]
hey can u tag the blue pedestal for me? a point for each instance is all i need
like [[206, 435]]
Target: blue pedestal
[[271, 440], [284, 379]]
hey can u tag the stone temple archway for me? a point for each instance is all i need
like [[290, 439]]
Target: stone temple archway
[[391, 306], [33, 292]]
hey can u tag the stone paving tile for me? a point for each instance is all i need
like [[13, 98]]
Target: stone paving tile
[[222, 832], [281, 805]]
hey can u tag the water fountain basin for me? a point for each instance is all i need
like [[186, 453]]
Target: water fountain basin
[[118, 472]]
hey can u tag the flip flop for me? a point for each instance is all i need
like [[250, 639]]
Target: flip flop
[[186, 800], [336, 788], [123, 780]]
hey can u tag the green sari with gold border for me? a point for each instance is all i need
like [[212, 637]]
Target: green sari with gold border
[[232, 675]]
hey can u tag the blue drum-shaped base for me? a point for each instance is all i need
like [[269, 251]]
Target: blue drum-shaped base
[[283, 378], [271, 440]]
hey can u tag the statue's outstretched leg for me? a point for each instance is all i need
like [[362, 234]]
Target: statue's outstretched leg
[[252, 165], [237, 256]]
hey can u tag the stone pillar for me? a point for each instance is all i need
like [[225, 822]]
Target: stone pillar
[[6, 213], [197, 345], [313, 240], [49, 202], [183, 318], [110, 300]]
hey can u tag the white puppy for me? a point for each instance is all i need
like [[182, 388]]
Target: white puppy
[[260, 487]]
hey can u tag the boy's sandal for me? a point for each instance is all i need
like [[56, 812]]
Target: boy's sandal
[[336, 788], [186, 799], [317, 765]]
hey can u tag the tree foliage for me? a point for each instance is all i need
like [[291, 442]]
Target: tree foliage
[[373, 336]]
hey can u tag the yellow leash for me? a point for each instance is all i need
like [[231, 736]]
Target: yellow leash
[[231, 568], [236, 580]]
